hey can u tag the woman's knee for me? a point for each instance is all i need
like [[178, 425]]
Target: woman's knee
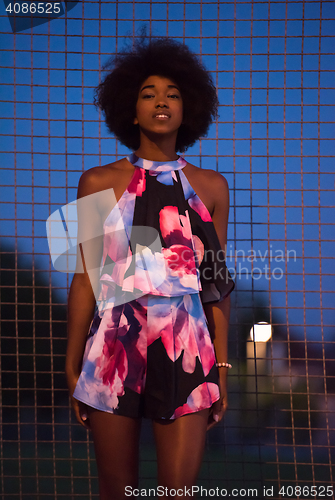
[[114, 486], [116, 443], [177, 479]]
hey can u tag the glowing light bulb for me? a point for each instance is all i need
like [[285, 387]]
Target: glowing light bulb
[[261, 332]]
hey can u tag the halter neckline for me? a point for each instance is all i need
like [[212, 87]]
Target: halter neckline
[[157, 166]]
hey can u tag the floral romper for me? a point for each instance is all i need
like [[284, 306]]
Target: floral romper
[[149, 352]]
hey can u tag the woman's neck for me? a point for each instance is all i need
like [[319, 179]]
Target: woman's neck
[[157, 151]]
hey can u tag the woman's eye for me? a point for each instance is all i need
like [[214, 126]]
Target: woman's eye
[[175, 96], [146, 96]]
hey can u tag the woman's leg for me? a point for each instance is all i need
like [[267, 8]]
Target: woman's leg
[[180, 445], [116, 444]]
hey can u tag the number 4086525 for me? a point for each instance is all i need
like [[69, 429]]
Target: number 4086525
[[318, 491], [32, 8]]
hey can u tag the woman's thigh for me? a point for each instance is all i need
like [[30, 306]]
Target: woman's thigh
[[116, 444], [180, 445]]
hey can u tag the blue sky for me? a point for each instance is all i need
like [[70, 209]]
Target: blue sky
[[274, 66]]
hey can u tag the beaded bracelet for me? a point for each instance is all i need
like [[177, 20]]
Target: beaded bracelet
[[224, 365]]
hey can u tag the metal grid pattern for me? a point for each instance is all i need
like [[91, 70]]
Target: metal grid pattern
[[273, 64]]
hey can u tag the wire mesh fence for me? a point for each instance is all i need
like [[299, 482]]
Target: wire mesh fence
[[273, 65]]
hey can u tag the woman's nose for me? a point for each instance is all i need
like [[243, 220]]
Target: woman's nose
[[161, 103]]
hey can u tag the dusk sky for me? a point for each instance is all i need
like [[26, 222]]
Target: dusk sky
[[274, 67]]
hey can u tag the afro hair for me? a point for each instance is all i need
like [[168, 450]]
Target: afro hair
[[117, 94]]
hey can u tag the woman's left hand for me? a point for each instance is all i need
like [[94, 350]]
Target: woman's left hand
[[219, 407]]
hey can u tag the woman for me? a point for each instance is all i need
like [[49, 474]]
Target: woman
[[157, 343]]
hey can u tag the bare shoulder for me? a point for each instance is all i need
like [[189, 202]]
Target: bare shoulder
[[211, 186], [105, 177], [210, 177]]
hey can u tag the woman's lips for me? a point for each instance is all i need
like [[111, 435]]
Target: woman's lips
[[162, 116]]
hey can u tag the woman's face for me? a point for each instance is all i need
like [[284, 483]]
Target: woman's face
[[159, 107]]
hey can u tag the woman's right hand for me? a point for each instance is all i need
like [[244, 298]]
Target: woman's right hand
[[79, 408]]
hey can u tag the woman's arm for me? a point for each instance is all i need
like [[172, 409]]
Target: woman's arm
[[218, 313], [218, 320], [81, 301], [81, 304]]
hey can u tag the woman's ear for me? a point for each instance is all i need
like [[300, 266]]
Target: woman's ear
[[135, 122]]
